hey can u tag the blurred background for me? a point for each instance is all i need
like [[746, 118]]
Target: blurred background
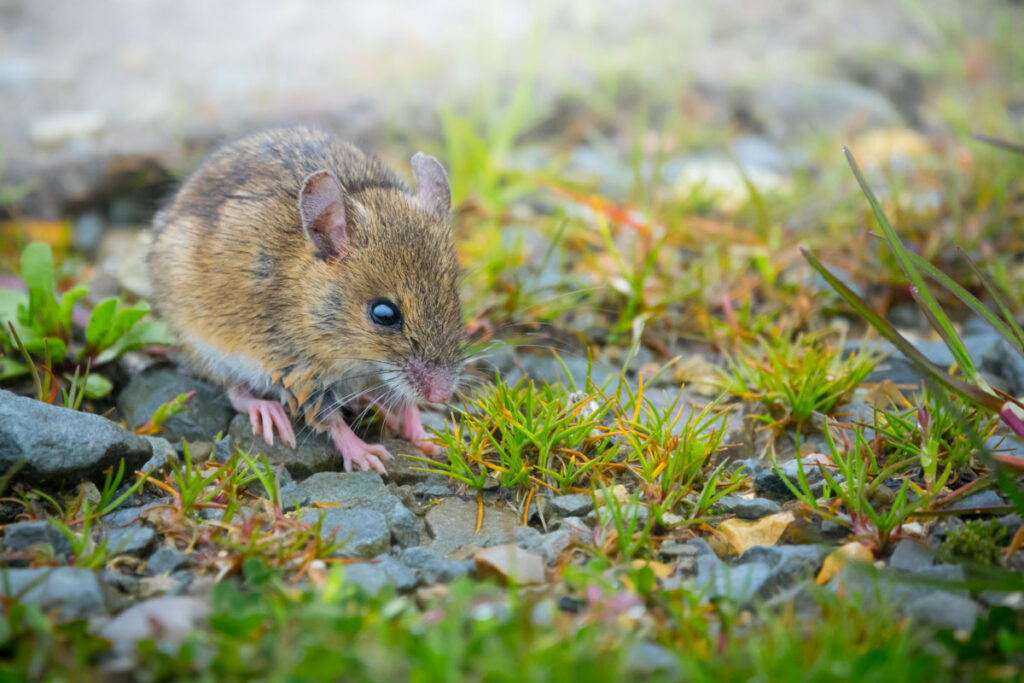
[[680, 112]]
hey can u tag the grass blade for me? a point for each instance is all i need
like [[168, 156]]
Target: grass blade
[[945, 327], [886, 329]]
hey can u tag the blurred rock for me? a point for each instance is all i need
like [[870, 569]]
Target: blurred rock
[[383, 571], [24, 535], [361, 532], [452, 525], [72, 593], [167, 560], [167, 619], [509, 563]]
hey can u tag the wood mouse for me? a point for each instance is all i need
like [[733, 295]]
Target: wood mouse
[[301, 273]]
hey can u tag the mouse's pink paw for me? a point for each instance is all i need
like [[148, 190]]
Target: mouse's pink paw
[[355, 452], [264, 416]]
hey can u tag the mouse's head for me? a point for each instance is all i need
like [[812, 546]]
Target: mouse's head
[[392, 298]]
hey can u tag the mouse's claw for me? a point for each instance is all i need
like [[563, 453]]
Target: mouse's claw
[[356, 452], [264, 416]]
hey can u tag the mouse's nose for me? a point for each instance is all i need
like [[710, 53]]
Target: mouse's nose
[[435, 384]]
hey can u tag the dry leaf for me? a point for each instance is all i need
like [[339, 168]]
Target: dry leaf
[[742, 534], [660, 569], [854, 551]]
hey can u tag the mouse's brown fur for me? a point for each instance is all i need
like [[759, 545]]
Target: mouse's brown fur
[[255, 304]]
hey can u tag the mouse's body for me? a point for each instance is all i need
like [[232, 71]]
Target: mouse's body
[[295, 268]]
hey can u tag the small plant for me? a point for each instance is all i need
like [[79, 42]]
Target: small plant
[[37, 323], [796, 379], [856, 493], [175, 406], [977, 540]]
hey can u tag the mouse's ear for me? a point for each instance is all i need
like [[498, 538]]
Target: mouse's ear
[[432, 191], [322, 207]]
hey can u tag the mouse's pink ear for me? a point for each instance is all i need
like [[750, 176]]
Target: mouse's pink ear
[[322, 207], [432, 191]]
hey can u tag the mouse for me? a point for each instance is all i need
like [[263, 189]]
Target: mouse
[[305, 276]]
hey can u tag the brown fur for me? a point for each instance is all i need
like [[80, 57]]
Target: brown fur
[[233, 271]]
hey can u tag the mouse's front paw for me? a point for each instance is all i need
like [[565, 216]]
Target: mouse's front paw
[[264, 416], [355, 452]]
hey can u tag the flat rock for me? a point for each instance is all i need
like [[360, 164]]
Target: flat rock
[[508, 563], [363, 490], [130, 540], [23, 535], [60, 446], [209, 411], [432, 569], [362, 533], [74, 593], [383, 571], [170, 619], [452, 525]]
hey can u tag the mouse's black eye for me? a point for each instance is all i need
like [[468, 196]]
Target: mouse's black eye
[[384, 312]]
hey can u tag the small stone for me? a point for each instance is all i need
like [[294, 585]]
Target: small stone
[[74, 593], [944, 609], [748, 508], [788, 565], [911, 556], [433, 569], [166, 560], [361, 532], [509, 563], [741, 583], [22, 535], [363, 490], [572, 505], [551, 545], [130, 540], [163, 454], [61, 447], [383, 571], [169, 619], [432, 488]]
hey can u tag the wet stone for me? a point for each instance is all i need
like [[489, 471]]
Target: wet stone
[[361, 533]]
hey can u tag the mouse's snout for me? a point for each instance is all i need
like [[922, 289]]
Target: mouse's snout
[[434, 383]]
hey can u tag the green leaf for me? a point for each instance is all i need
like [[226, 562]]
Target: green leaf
[[10, 301], [37, 272], [142, 334], [99, 323], [11, 368], [39, 346], [124, 320], [97, 386], [67, 303]]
